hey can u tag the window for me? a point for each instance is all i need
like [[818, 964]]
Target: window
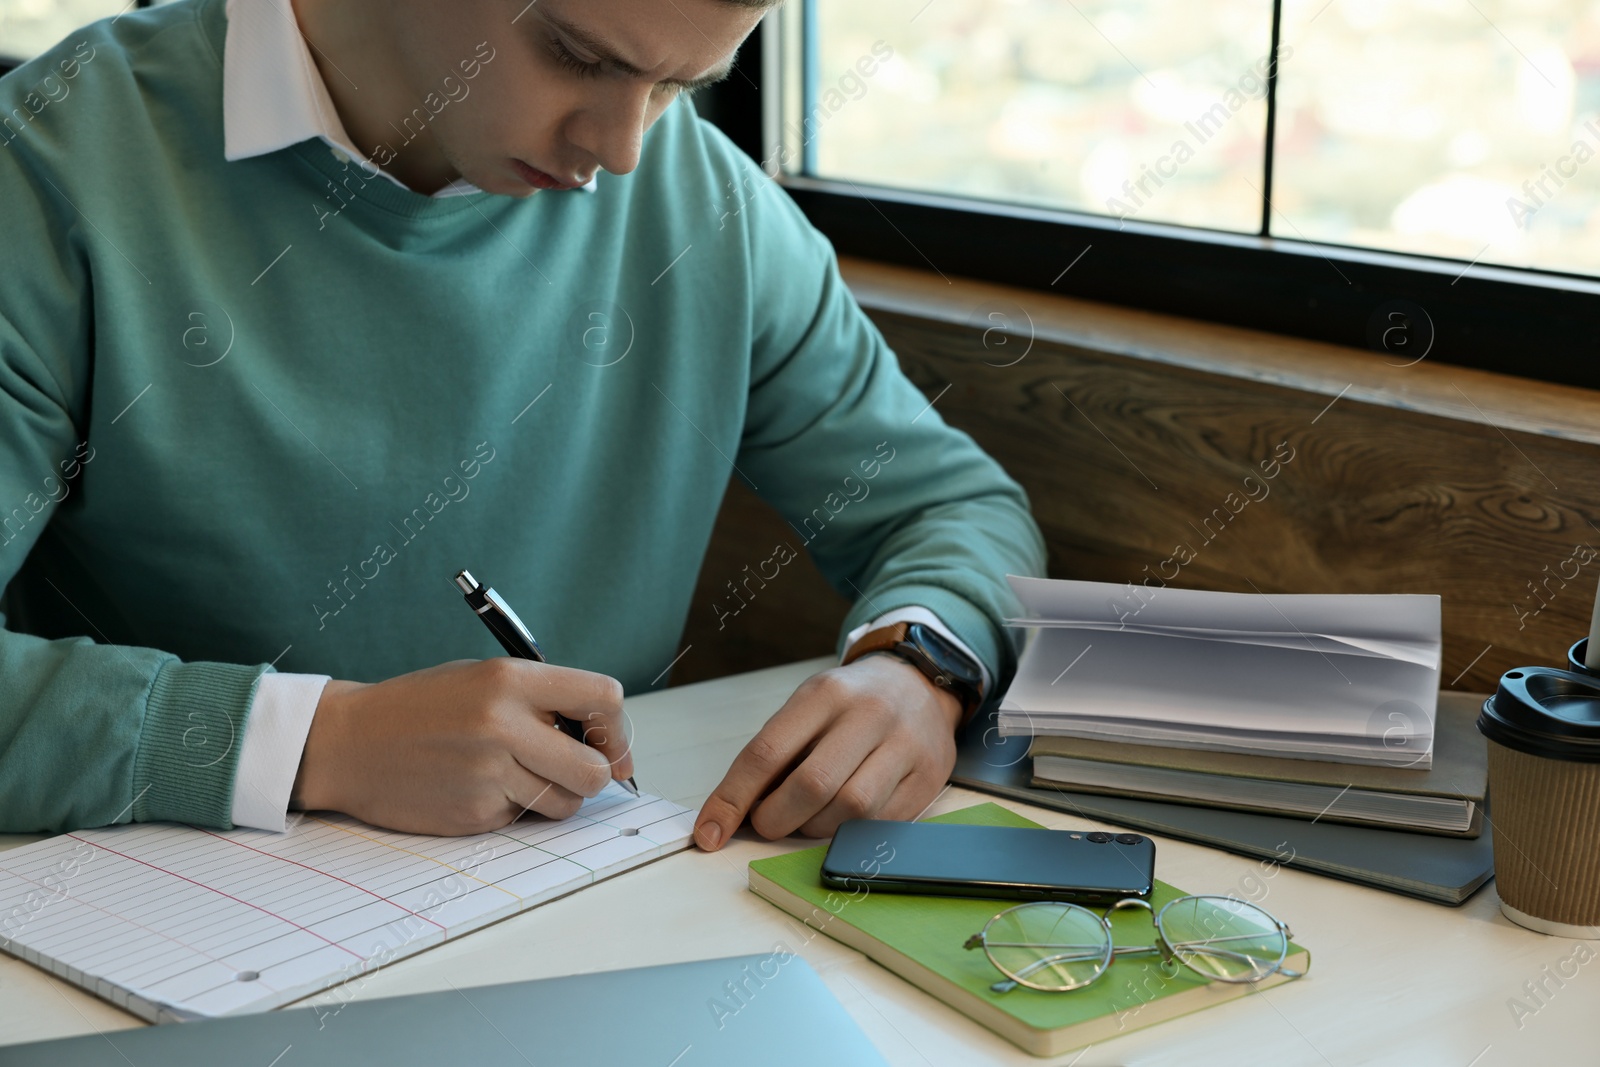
[[1430, 153], [1043, 103], [1445, 129], [28, 27]]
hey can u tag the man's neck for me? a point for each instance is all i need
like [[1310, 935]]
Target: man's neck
[[356, 59]]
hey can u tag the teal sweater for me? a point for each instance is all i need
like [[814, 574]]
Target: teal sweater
[[261, 412]]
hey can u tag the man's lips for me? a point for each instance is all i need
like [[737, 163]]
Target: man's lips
[[538, 178]]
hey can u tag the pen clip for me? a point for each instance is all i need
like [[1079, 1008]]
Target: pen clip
[[509, 618], [502, 621]]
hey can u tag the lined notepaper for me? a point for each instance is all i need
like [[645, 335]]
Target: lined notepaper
[[175, 922]]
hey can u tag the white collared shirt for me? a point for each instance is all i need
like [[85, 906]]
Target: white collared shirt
[[273, 96]]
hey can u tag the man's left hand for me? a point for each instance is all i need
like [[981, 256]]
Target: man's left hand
[[873, 739]]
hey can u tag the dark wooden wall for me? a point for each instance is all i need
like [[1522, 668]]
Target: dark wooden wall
[[1130, 430]]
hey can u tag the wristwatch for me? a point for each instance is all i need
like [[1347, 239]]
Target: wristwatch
[[945, 665]]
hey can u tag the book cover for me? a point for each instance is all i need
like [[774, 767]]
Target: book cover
[[1458, 774], [1460, 766], [920, 938]]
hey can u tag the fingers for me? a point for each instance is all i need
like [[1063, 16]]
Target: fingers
[[609, 735], [913, 796], [596, 705], [554, 757], [531, 792], [869, 793], [769, 755], [594, 701], [828, 776]]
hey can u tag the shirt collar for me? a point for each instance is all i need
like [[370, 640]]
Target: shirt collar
[[273, 96]]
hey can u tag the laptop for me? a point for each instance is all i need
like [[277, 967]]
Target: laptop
[[740, 1011]]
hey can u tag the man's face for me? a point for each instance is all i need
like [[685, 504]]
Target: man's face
[[563, 87]]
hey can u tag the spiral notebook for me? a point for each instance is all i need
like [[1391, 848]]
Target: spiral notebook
[[175, 922]]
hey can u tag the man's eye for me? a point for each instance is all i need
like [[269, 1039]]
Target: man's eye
[[565, 57]]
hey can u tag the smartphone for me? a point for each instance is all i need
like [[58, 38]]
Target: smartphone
[[1002, 862]]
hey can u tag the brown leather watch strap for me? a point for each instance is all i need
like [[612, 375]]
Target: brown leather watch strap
[[883, 639], [888, 639]]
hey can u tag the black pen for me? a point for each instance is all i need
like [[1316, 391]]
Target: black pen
[[514, 637]]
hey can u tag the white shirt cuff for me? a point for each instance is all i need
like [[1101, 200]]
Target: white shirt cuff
[[914, 613], [274, 739]]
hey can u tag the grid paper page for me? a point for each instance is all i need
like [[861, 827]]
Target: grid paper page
[[175, 922]]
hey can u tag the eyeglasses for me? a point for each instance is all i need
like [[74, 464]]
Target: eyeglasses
[[1054, 947]]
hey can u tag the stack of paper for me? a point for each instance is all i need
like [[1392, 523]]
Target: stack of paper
[[175, 922], [1344, 678]]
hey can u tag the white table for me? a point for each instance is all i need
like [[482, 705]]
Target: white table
[[1393, 980]]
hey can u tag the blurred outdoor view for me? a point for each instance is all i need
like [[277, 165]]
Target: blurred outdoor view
[[1444, 127], [1409, 125], [1055, 103], [1459, 128], [28, 27]]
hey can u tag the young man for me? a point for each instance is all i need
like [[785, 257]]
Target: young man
[[306, 308]]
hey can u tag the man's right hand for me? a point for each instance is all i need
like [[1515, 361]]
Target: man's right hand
[[464, 747]]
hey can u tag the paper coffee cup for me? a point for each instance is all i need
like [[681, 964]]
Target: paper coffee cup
[[1543, 729]]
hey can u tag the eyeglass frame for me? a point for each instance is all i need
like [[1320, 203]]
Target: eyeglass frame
[[1163, 945]]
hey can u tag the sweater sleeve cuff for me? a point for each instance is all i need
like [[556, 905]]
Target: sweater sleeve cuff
[[915, 613], [194, 719], [962, 621], [274, 739]]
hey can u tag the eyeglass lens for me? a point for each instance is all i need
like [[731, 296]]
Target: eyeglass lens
[[1223, 938], [1048, 946]]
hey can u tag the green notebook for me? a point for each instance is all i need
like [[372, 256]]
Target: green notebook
[[920, 938]]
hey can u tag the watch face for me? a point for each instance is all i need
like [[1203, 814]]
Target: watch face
[[945, 656]]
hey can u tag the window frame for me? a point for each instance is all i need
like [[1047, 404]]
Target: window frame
[[1536, 324]]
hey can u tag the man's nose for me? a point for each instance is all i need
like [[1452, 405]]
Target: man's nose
[[611, 131]]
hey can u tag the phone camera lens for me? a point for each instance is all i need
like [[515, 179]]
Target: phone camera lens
[[1099, 838], [1128, 839]]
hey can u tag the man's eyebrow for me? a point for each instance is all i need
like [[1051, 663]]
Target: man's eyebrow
[[608, 55]]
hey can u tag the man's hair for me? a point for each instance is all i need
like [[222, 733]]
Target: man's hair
[[753, 3]]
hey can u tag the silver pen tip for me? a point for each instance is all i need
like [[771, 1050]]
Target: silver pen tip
[[466, 582]]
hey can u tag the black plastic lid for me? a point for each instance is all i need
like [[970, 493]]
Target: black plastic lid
[[1545, 712]]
